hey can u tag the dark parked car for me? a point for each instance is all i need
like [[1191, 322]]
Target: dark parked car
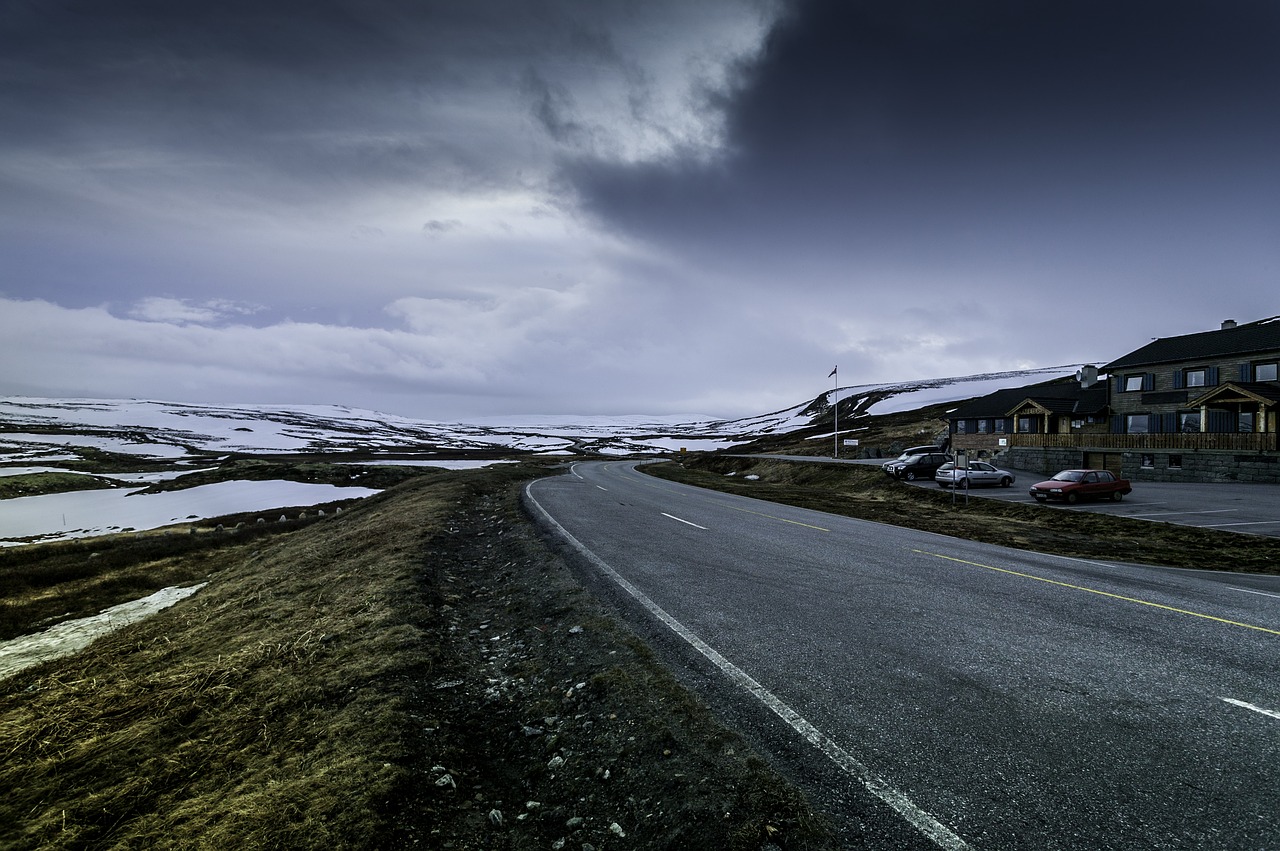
[[912, 467], [1074, 485], [908, 452]]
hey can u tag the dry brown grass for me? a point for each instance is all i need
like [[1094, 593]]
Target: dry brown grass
[[249, 715], [318, 689]]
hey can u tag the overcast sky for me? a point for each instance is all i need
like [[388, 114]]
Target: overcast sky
[[498, 207]]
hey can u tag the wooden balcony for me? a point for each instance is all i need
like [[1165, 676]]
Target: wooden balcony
[[1201, 441]]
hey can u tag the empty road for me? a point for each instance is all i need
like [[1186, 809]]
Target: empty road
[[932, 692]]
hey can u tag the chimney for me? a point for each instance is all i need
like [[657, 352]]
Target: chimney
[[1228, 324]]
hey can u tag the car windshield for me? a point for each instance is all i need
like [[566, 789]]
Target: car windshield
[[1069, 476]]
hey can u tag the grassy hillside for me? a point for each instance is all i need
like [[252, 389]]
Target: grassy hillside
[[417, 671]]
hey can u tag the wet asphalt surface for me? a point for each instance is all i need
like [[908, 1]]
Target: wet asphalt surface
[[933, 692]]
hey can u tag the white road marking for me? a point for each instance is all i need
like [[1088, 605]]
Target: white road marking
[[1250, 591], [1271, 713], [1250, 523], [606, 490], [1175, 513], [936, 831], [678, 520]]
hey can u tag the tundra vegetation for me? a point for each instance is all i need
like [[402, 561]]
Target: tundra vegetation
[[420, 670], [424, 670]]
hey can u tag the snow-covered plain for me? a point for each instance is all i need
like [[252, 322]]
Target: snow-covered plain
[[167, 435], [173, 430]]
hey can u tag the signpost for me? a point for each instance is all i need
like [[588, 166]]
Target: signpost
[[961, 463]]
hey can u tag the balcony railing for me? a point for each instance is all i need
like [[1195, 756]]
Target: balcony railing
[[1249, 442]]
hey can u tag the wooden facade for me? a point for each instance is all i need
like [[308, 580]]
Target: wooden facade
[[1213, 395]]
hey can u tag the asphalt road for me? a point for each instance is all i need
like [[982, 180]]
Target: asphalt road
[[935, 692]]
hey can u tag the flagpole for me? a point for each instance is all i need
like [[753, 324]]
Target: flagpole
[[835, 411]]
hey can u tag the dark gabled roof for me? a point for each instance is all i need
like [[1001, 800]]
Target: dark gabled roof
[[1064, 397], [1262, 389], [1247, 339], [1053, 406]]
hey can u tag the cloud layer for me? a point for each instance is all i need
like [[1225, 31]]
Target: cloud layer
[[450, 210]]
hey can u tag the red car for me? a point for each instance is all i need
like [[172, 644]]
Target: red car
[[1074, 485]]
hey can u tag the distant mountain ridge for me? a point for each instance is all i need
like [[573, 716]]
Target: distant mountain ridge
[[33, 429]]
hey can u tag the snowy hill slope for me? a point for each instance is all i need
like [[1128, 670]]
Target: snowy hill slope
[[44, 430]]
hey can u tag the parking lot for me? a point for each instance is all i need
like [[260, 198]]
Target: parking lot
[[1231, 507], [1251, 509]]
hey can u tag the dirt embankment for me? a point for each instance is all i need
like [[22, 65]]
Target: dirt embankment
[[420, 672]]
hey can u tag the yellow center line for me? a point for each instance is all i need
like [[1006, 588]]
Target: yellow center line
[[1101, 593], [771, 517]]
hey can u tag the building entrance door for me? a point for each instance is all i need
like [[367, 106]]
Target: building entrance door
[[1112, 461]]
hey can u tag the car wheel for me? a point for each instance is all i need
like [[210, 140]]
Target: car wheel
[[909, 476], [1072, 498], [1006, 482], [1116, 496]]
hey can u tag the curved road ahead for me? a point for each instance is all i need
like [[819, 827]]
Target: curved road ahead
[[936, 692]]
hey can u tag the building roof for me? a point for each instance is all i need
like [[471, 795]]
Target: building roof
[[1062, 397], [1247, 339], [1260, 390]]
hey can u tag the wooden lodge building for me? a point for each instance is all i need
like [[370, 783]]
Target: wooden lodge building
[[1199, 407]]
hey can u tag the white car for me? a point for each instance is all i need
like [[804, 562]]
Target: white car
[[979, 473]]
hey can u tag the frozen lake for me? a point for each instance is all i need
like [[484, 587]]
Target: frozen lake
[[81, 514]]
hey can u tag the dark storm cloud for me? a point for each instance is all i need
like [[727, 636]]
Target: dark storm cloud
[[870, 122], [661, 202]]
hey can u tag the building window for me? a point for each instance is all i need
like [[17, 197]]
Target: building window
[[1137, 424], [984, 426], [1246, 422], [1132, 383], [1000, 427], [1193, 378], [1189, 422], [960, 427], [1175, 462], [1264, 372], [1148, 461], [1026, 425]]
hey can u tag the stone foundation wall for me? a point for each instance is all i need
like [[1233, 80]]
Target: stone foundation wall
[[1201, 467], [1041, 460]]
